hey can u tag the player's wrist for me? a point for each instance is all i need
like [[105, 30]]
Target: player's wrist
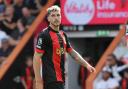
[[38, 81]]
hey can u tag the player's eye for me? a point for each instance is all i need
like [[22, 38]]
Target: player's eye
[[58, 15]]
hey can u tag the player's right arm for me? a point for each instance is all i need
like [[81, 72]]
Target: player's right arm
[[37, 61], [37, 68]]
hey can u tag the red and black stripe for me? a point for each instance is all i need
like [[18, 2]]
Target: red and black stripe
[[55, 57]]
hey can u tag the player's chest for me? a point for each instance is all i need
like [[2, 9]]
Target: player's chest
[[58, 40]]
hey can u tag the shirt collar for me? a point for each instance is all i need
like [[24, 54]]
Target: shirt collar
[[53, 30]]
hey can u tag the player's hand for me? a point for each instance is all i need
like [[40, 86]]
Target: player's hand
[[39, 85], [91, 69]]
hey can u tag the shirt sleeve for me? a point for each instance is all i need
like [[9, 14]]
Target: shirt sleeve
[[68, 45], [41, 43]]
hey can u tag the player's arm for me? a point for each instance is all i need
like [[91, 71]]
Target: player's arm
[[77, 56], [80, 60], [37, 66], [37, 61]]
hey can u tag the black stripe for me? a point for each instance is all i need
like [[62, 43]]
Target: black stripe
[[62, 56], [49, 74]]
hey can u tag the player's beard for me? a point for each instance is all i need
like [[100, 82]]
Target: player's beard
[[56, 23]]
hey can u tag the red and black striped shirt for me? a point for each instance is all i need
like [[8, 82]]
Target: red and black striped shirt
[[53, 44]]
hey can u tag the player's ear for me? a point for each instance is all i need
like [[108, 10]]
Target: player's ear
[[48, 18]]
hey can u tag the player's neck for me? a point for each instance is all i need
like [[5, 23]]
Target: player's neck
[[56, 28]]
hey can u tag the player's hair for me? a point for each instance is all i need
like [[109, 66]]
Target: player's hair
[[52, 8]]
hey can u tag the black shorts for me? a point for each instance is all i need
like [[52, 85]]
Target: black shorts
[[54, 85]]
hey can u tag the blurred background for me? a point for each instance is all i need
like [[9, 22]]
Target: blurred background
[[96, 29]]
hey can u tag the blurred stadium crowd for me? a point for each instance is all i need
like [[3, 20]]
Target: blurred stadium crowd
[[15, 18], [114, 75]]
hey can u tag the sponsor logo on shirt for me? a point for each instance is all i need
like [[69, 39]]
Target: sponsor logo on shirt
[[60, 51]]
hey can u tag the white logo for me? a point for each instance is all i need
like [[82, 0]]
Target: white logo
[[40, 41], [79, 11]]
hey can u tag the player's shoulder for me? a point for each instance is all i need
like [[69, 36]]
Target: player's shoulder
[[62, 32], [44, 31]]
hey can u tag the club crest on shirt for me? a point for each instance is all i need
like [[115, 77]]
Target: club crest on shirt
[[60, 51]]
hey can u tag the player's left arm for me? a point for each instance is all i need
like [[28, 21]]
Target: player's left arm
[[77, 56], [80, 60]]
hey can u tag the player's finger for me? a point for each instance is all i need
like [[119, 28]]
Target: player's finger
[[94, 70]]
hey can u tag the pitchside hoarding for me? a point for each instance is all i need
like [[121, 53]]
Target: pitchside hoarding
[[82, 12]]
